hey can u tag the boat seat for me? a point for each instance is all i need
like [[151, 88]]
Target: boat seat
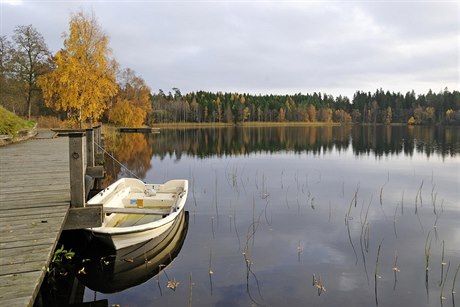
[[140, 200], [163, 213]]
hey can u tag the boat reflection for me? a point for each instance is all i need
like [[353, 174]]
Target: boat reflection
[[109, 271]]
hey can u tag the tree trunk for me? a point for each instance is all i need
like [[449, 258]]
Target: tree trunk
[[29, 107]]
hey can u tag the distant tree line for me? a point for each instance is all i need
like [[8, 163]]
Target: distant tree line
[[367, 108]]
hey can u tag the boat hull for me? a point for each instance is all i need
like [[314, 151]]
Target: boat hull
[[123, 240]]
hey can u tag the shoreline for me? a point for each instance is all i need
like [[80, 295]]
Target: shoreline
[[183, 125], [246, 124]]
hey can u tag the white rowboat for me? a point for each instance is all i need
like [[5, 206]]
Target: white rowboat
[[135, 212]]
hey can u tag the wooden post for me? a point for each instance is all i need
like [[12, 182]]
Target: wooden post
[[99, 155], [97, 137], [80, 215], [90, 147], [77, 163]]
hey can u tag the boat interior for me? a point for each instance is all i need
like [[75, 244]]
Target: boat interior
[[163, 202], [128, 220]]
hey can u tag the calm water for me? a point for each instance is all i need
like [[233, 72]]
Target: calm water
[[272, 209]]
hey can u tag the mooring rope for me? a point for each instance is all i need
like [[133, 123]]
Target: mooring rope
[[129, 171]]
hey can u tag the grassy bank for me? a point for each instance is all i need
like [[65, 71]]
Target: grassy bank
[[10, 124]]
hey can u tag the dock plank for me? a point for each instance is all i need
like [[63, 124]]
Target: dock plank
[[33, 195], [34, 204], [29, 204], [15, 288], [34, 225], [23, 267], [25, 212], [20, 255], [24, 190], [36, 218], [25, 242], [30, 236]]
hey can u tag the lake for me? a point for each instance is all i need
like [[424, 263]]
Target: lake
[[302, 216]]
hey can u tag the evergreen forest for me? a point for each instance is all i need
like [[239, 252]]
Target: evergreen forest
[[365, 107]]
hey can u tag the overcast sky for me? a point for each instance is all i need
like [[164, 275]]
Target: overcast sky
[[279, 47]]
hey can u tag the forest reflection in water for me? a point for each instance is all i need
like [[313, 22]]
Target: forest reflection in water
[[360, 207], [135, 150]]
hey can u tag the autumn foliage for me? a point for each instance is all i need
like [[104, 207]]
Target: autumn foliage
[[132, 103], [84, 76], [125, 114]]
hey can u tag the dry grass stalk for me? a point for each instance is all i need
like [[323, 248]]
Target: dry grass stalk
[[455, 279], [442, 264], [210, 271], [318, 284], [395, 270], [428, 251], [443, 282], [376, 275], [190, 291]]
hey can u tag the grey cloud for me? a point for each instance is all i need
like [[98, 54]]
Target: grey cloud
[[270, 47]]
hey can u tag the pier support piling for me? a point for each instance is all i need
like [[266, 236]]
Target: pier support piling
[[77, 164], [81, 216]]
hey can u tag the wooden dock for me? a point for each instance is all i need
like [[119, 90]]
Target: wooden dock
[[34, 203], [42, 192], [139, 130]]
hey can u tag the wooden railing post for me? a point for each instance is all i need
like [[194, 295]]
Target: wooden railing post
[[97, 137], [90, 147], [79, 215], [77, 163]]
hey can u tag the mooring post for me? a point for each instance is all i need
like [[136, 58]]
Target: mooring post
[[77, 163], [80, 216], [90, 147], [97, 137]]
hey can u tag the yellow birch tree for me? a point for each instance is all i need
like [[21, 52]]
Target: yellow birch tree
[[133, 93], [125, 114], [84, 77]]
